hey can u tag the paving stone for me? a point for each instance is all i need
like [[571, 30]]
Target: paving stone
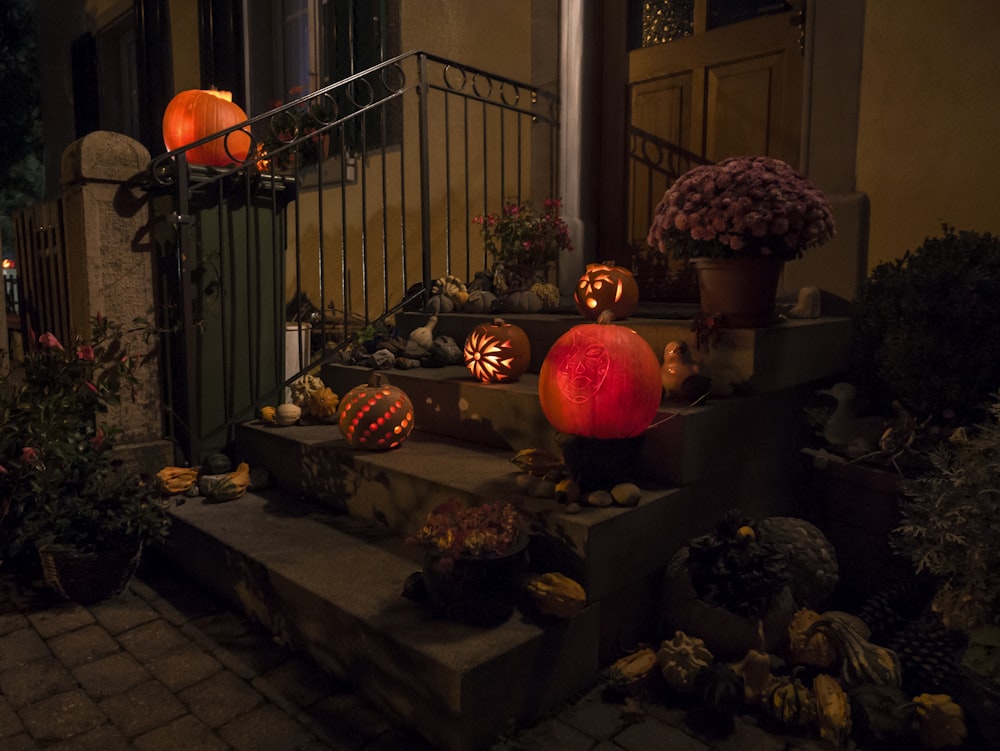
[[44, 678], [151, 640], [266, 728], [83, 645], [9, 722], [11, 622], [187, 732], [123, 612], [21, 742], [62, 716], [60, 619], [299, 680], [104, 738], [345, 719], [20, 647], [142, 708], [110, 675], [183, 666], [220, 698], [594, 716], [251, 654], [554, 734], [175, 597], [748, 737], [652, 733], [398, 739]]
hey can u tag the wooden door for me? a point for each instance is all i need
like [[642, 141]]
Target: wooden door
[[727, 91]]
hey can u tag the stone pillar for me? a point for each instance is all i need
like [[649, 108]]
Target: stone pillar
[[110, 270]]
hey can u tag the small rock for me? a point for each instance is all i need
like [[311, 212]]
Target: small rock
[[383, 359], [600, 499], [573, 508], [626, 494]]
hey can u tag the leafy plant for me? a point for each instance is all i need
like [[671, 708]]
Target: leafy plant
[[452, 529], [742, 207], [60, 480], [927, 330], [521, 235], [736, 568], [949, 527]]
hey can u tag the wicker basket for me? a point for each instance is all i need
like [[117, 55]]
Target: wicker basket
[[88, 577]]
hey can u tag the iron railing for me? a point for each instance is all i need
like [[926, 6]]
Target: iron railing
[[350, 202]]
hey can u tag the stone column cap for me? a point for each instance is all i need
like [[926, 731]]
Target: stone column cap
[[103, 156]]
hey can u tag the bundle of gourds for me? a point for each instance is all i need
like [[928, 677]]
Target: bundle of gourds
[[830, 680], [224, 486]]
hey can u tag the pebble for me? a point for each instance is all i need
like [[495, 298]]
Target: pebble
[[600, 499], [573, 508], [626, 494]]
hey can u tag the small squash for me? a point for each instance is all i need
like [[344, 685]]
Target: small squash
[[940, 721], [556, 594], [681, 659], [790, 702], [755, 669], [860, 660], [814, 649], [833, 708], [177, 479], [633, 672]]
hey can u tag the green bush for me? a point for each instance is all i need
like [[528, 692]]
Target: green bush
[[927, 329]]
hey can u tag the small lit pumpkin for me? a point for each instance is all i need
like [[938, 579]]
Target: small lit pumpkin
[[195, 114], [599, 380], [605, 286], [376, 416], [497, 352]]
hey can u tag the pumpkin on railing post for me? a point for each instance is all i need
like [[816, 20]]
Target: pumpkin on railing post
[[195, 114], [497, 352], [376, 416], [599, 387]]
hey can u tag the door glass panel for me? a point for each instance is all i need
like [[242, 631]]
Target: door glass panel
[[725, 12], [654, 22]]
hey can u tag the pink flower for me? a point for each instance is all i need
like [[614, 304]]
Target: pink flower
[[85, 352], [49, 341], [29, 455], [3, 470], [90, 386], [98, 439]]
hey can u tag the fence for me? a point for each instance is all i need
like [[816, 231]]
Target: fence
[[345, 208]]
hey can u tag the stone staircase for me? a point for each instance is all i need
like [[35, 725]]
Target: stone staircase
[[320, 557]]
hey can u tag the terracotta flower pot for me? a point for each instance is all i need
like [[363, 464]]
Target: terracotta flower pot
[[741, 289]]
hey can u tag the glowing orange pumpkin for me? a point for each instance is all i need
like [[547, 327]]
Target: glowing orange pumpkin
[[377, 416], [605, 286], [600, 381], [497, 352], [195, 114]]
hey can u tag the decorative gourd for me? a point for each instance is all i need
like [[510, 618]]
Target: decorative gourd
[[521, 301], [497, 352], [177, 479], [479, 301], [440, 304], [940, 721], [860, 660], [833, 709], [881, 712], [556, 594], [323, 403], [599, 380], [376, 417], [681, 659], [195, 114], [300, 390], [811, 565], [755, 669], [789, 701], [287, 414], [720, 692], [815, 649], [548, 293], [632, 672], [605, 286], [226, 487]]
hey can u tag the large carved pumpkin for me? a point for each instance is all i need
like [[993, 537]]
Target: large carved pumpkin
[[605, 286], [195, 114], [377, 416], [600, 380], [497, 352]]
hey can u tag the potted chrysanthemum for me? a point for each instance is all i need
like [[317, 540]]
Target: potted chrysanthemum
[[743, 217]]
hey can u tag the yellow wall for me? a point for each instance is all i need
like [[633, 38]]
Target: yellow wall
[[928, 151]]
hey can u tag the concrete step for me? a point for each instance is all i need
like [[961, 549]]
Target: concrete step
[[331, 585]]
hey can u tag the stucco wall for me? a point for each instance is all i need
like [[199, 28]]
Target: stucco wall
[[927, 146]]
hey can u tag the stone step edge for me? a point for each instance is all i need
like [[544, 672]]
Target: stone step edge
[[336, 595]]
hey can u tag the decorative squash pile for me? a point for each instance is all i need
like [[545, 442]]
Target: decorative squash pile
[[219, 486], [827, 679]]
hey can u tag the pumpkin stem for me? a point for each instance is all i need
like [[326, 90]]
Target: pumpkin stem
[[378, 378], [606, 316]]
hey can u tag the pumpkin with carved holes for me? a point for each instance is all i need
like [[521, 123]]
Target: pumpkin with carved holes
[[600, 380], [605, 286], [195, 114], [376, 416], [497, 352]]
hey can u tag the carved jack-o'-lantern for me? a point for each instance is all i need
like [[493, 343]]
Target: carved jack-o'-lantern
[[600, 381], [196, 114], [497, 352], [605, 286], [377, 416]]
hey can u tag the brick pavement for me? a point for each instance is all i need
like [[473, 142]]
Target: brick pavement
[[164, 666]]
